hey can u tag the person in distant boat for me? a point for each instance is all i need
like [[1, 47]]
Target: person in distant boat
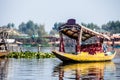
[[112, 39]]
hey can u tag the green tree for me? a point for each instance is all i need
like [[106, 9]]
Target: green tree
[[56, 26], [10, 25], [22, 27], [91, 26], [32, 29], [112, 26]]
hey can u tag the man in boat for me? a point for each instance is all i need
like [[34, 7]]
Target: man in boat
[[112, 39], [104, 47]]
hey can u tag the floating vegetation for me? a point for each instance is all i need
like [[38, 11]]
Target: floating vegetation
[[28, 54]]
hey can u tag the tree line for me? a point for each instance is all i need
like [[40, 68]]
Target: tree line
[[112, 26], [35, 32], [32, 28]]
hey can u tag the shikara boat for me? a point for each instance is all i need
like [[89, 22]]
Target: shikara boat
[[3, 50], [2, 54], [84, 56], [90, 46], [3, 45]]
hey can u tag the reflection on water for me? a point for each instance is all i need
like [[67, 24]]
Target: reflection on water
[[3, 68], [87, 71], [30, 69], [53, 69], [90, 71]]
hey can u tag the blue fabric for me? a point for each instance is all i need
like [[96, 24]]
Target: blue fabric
[[104, 46]]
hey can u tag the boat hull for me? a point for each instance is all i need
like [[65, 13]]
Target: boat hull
[[84, 56], [2, 54]]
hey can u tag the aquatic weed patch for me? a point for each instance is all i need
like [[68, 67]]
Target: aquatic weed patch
[[29, 54]]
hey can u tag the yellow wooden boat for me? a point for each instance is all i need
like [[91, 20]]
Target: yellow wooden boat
[[84, 56], [97, 51]]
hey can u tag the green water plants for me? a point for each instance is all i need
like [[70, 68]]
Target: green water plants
[[28, 54]]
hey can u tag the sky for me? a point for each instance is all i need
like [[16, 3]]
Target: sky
[[48, 12]]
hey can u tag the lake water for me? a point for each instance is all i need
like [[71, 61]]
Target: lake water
[[33, 49], [54, 69]]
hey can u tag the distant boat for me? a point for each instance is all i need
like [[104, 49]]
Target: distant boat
[[87, 52], [2, 54], [9, 40], [3, 49], [3, 44]]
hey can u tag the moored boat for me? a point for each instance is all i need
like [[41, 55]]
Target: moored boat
[[89, 45], [84, 56], [3, 45], [2, 54]]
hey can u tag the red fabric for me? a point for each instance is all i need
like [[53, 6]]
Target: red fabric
[[91, 48]]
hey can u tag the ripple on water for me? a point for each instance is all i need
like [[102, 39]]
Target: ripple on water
[[53, 69]]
